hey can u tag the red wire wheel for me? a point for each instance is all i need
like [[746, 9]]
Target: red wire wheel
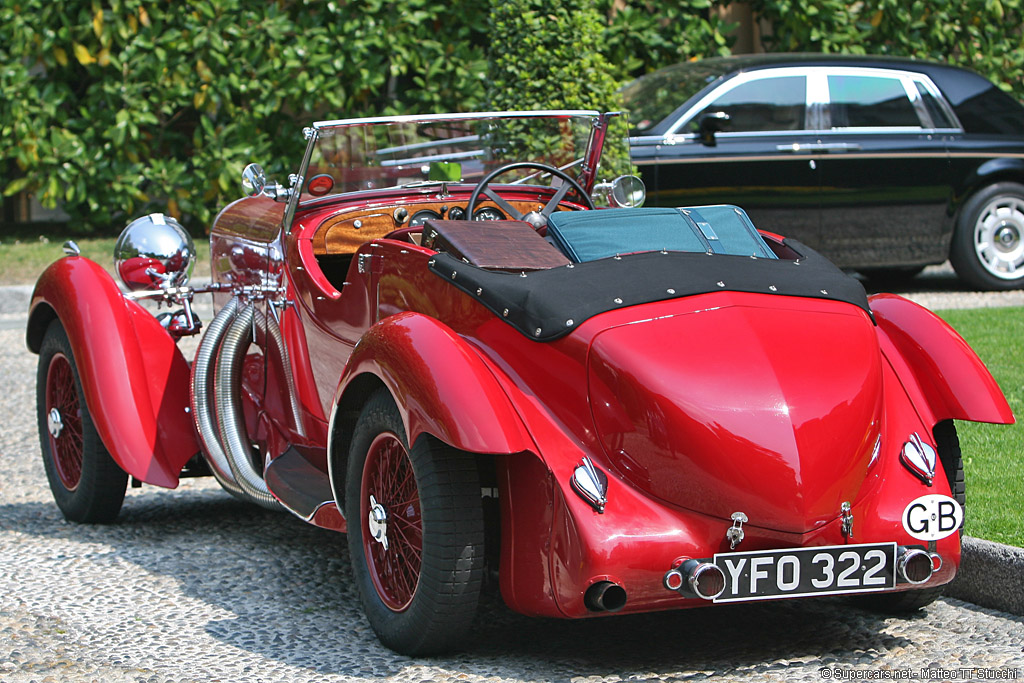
[[416, 532], [86, 483], [64, 421], [393, 541]]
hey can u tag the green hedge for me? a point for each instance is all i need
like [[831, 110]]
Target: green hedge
[[114, 108], [985, 35], [125, 106]]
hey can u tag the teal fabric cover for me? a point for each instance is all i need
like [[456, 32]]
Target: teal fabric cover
[[592, 235]]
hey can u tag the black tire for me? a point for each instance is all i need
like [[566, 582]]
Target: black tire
[[995, 216], [87, 485], [953, 465], [435, 614]]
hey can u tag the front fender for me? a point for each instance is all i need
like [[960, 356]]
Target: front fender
[[940, 372], [134, 377], [441, 384]]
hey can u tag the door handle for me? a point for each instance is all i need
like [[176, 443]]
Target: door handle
[[797, 147], [840, 147], [830, 147]]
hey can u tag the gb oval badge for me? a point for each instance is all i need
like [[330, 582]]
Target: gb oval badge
[[932, 517]]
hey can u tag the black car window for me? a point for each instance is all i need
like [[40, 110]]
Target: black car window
[[869, 102], [764, 104], [652, 98], [940, 119]]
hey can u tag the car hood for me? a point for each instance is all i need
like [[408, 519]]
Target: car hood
[[772, 412]]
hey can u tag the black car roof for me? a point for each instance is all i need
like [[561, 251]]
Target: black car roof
[[965, 90]]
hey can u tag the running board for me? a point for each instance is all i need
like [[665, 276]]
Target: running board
[[298, 484]]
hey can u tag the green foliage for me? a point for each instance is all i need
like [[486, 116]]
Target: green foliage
[[111, 108], [985, 35], [644, 35], [543, 57], [125, 106]]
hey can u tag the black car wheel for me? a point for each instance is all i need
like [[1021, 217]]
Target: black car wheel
[[87, 484], [416, 533], [988, 243], [948, 448]]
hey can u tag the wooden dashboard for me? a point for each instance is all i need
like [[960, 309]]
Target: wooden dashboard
[[348, 230]]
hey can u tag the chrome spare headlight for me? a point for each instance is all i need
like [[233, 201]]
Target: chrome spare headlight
[[154, 252]]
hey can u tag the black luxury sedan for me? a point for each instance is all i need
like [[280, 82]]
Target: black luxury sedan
[[885, 165]]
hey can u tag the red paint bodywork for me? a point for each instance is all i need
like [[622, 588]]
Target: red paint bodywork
[[135, 380], [695, 407]]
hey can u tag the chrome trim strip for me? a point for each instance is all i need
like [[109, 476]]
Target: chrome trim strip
[[819, 155], [430, 118]]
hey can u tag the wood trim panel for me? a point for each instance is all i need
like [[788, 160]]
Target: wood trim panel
[[339, 234]]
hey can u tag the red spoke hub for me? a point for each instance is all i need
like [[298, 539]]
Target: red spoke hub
[[64, 421], [392, 528]]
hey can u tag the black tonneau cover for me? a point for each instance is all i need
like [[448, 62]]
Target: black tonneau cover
[[548, 304]]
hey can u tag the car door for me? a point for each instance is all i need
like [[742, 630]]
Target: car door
[[760, 117], [886, 180]]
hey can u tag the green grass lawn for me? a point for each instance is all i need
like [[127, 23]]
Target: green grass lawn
[[23, 258], [994, 454]]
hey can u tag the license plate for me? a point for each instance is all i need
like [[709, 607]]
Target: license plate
[[792, 572]]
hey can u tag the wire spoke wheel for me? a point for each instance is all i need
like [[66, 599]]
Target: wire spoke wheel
[[416, 532], [87, 485], [394, 560], [64, 421]]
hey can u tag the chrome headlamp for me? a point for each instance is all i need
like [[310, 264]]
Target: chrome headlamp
[[154, 252]]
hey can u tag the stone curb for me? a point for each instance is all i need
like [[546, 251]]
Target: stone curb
[[991, 575]]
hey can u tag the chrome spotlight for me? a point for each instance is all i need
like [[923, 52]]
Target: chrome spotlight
[[154, 252]]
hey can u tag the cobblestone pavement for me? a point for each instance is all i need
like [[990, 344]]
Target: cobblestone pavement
[[192, 585]]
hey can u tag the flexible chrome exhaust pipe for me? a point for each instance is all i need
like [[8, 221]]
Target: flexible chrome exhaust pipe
[[201, 388], [275, 342], [230, 420], [605, 596]]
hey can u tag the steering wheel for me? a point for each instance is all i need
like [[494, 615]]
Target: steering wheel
[[538, 219]]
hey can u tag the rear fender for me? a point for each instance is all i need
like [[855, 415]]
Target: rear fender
[[442, 387], [134, 377], [940, 372]]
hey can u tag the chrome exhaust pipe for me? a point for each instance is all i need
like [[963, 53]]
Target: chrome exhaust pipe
[[228, 409], [914, 565], [695, 578], [201, 394], [605, 596]]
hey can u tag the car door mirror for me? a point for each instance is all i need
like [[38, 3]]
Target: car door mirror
[[625, 192], [711, 123], [628, 192], [254, 180]]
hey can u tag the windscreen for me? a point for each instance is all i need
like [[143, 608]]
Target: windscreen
[[354, 156]]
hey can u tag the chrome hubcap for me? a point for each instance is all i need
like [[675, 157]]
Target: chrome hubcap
[[378, 522], [998, 238], [54, 423]]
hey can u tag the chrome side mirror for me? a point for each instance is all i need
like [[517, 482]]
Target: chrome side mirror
[[628, 192], [625, 192], [254, 180]]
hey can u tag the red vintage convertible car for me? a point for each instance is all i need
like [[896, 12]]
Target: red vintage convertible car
[[433, 339]]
